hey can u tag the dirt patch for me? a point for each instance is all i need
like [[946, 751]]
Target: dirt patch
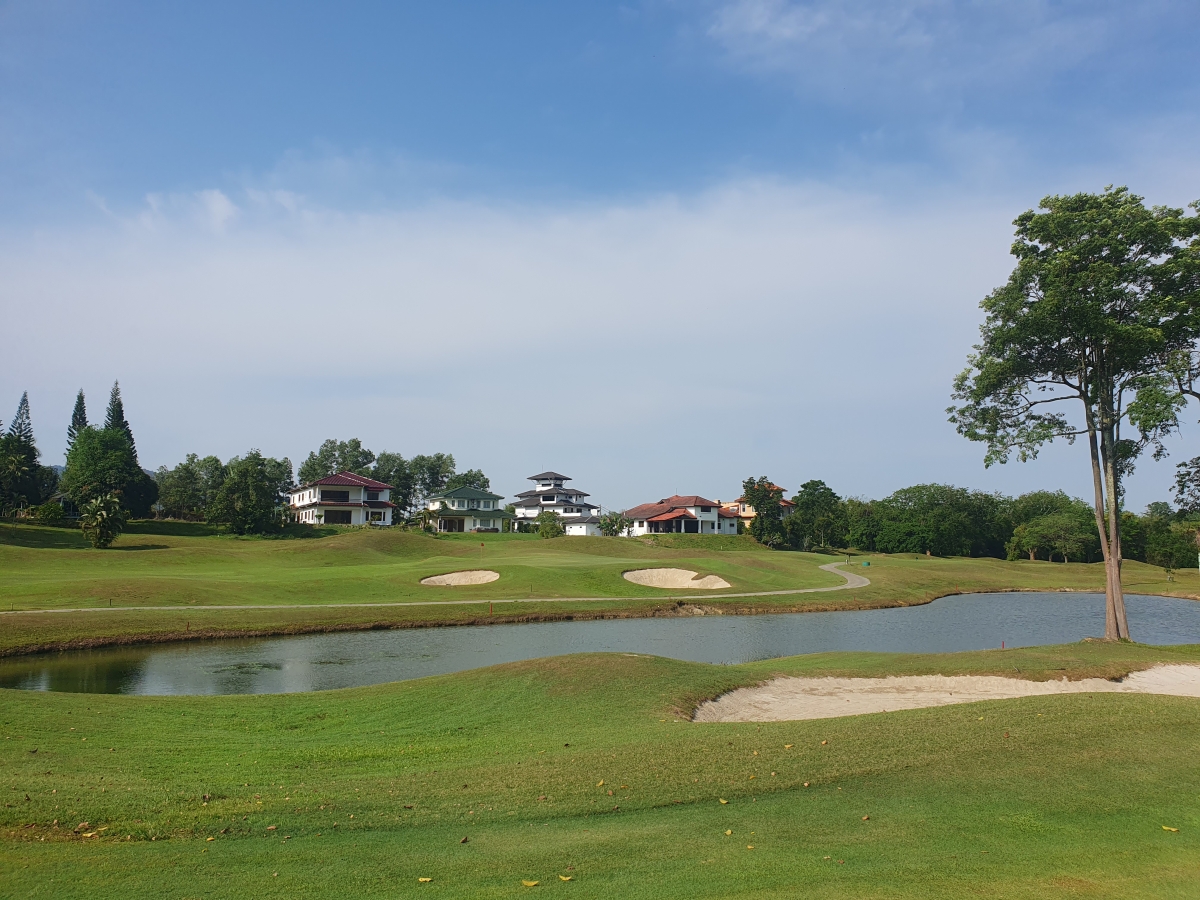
[[455, 579], [790, 699], [676, 578]]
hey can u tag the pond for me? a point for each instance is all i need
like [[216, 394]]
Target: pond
[[352, 659]]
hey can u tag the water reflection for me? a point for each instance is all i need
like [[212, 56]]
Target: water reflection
[[325, 661]]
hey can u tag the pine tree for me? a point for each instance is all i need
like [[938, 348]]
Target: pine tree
[[115, 416], [21, 426], [78, 420]]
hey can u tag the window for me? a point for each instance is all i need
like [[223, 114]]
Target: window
[[547, 498], [372, 495], [487, 504], [706, 509], [335, 496], [641, 524]]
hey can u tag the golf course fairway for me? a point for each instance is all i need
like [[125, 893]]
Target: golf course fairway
[[588, 768]]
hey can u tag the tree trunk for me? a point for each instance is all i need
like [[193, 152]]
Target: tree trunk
[[1031, 557], [1111, 629], [1116, 594]]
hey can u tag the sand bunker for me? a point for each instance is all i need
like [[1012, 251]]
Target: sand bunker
[[453, 579], [675, 578], [788, 699]]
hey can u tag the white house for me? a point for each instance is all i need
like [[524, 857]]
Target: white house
[[468, 509], [578, 516], [688, 514], [343, 499]]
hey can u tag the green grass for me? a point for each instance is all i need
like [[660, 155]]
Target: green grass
[[185, 566], [375, 787]]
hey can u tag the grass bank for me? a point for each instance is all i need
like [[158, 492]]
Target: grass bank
[[585, 767], [173, 581]]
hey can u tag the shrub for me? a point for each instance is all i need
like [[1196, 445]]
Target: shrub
[[49, 514], [102, 520]]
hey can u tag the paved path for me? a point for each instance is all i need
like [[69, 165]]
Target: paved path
[[852, 581]]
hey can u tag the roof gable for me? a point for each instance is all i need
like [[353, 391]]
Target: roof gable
[[347, 479], [466, 493], [549, 476]]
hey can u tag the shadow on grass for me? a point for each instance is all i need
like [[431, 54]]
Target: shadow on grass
[[43, 537], [127, 548]]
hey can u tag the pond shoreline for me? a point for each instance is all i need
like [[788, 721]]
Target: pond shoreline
[[679, 608]]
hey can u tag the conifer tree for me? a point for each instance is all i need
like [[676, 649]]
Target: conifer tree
[[115, 416], [21, 426], [78, 420]]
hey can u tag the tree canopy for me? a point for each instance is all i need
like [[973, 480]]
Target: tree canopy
[[251, 497], [102, 462], [765, 497]]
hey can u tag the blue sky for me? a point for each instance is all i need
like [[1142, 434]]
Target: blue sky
[[659, 246]]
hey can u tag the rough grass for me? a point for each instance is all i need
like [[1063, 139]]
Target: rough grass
[[370, 789]]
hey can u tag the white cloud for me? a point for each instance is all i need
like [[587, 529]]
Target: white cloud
[[667, 344], [855, 52]]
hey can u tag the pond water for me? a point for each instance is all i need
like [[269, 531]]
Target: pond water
[[351, 659]]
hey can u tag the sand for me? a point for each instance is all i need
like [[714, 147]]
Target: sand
[[471, 576], [789, 699], [675, 578]]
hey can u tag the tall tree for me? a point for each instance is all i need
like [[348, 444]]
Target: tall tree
[[765, 496], [78, 420], [470, 478], [1089, 317], [251, 498], [336, 456], [102, 462], [21, 427], [114, 417], [430, 474], [819, 518], [23, 480]]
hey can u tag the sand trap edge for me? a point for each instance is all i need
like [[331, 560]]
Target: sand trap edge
[[675, 579], [458, 579], [793, 699]]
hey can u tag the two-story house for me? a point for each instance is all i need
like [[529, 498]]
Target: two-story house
[[343, 499], [687, 514], [549, 492], [468, 509]]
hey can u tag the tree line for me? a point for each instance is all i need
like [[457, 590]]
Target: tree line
[[944, 520]]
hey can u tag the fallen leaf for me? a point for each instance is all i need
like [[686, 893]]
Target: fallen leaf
[[827, 857], [424, 880], [529, 883], [823, 743], [749, 846], [728, 832], [723, 800], [865, 818], [600, 783], [210, 839], [565, 877], [1165, 828], [756, 753], [464, 840], [624, 787], [272, 827], [788, 746], [89, 834], [806, 784], [752, 776]]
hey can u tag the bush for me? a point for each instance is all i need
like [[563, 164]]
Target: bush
[[102, 520], [549, 524], [49, 514]]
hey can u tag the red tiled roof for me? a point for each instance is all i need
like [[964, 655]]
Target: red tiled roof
[[678, 501], [688, 500], [672, 514], [724, 513], [348, 479]]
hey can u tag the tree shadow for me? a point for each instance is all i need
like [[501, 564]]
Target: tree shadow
[[130, 547]]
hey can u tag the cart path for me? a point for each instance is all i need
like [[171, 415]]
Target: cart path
[[852, 581]]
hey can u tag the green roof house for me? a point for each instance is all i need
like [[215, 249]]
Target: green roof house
[[468, 509]]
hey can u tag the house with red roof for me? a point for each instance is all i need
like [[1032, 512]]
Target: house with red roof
[[682, 514], [343, 499]]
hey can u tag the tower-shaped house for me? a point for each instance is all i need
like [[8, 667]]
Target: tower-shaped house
[[549, 492]]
